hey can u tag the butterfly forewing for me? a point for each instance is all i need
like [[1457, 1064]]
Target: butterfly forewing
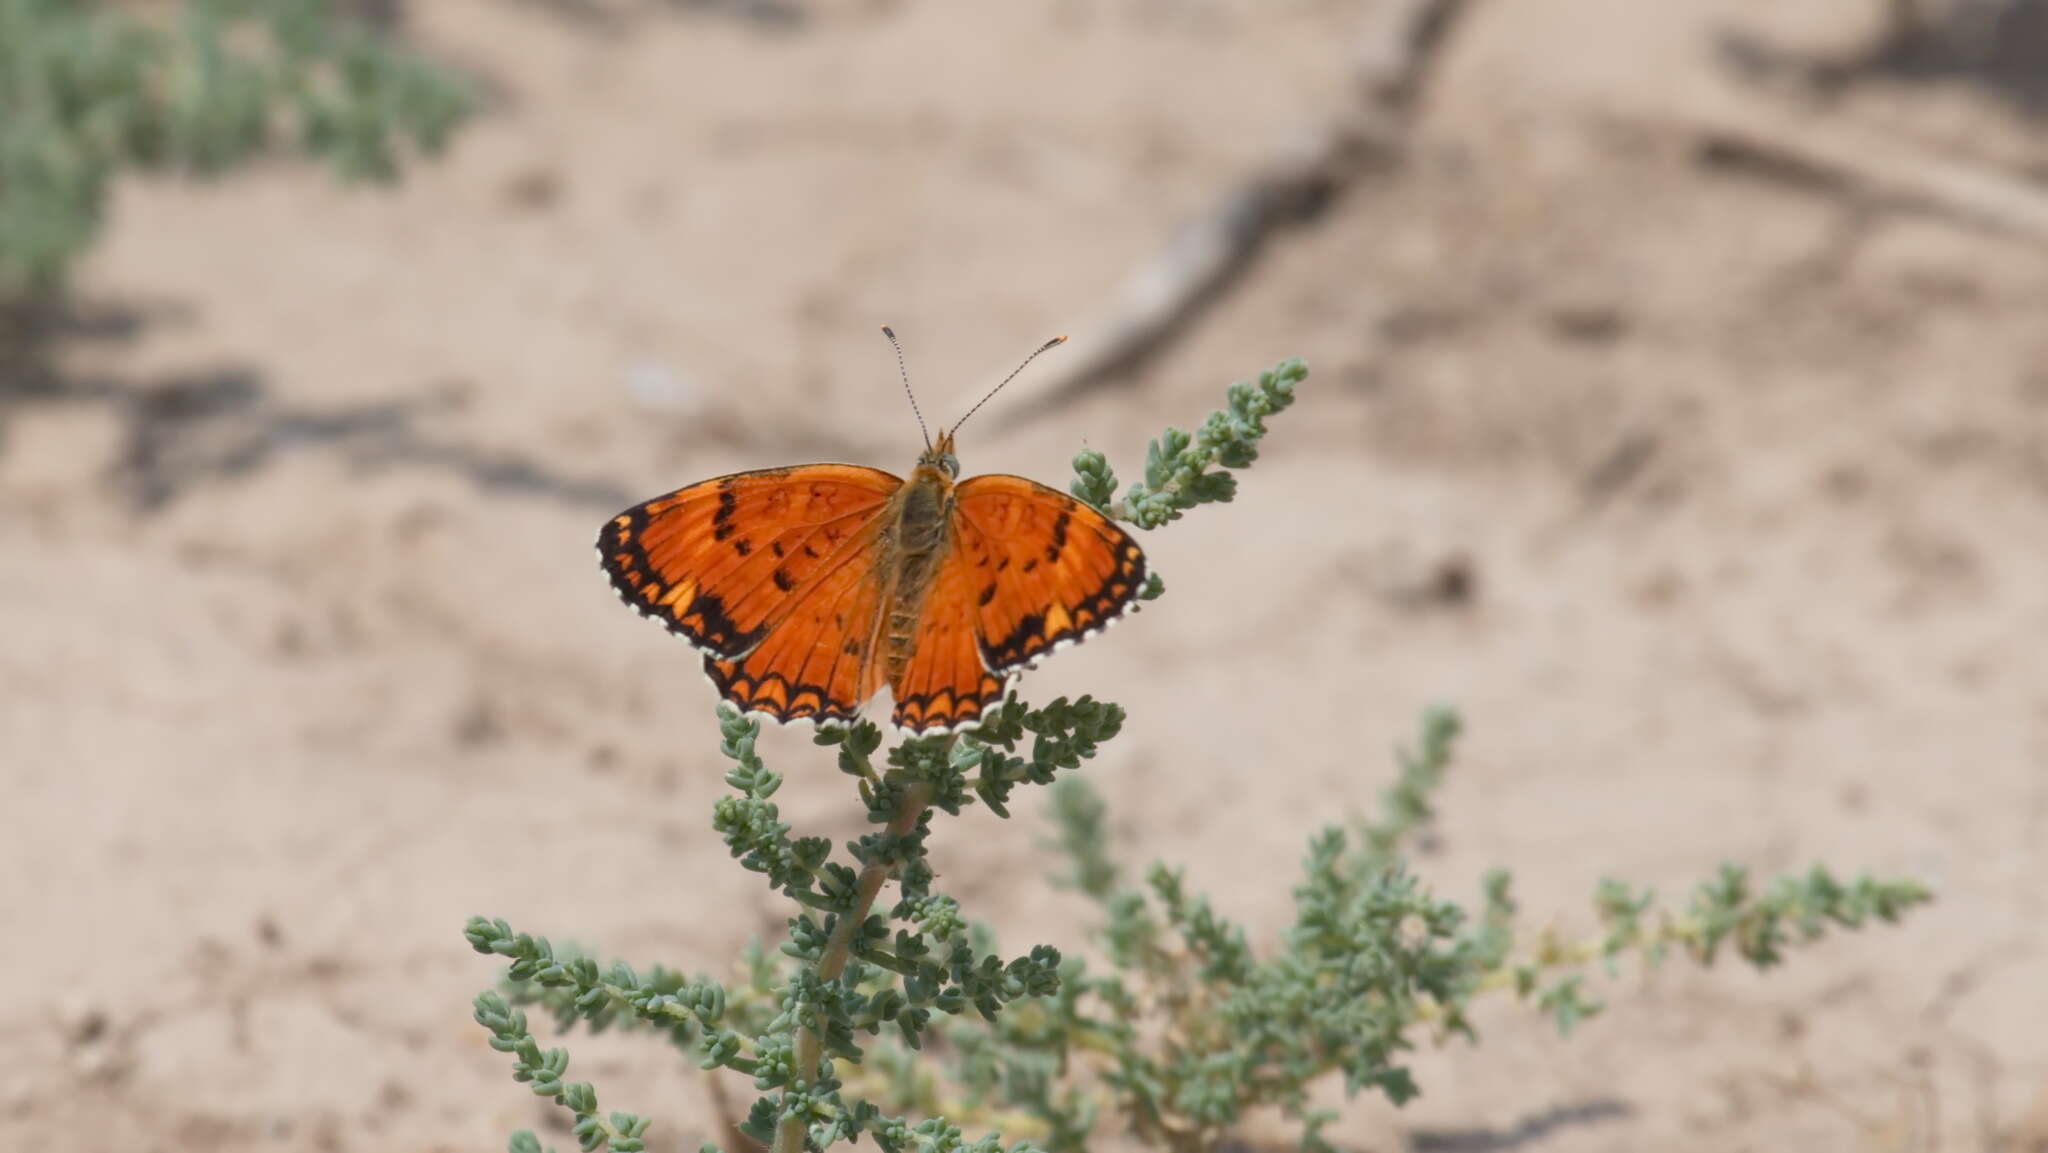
[[817, 659], [1048, 568], [718, 561]]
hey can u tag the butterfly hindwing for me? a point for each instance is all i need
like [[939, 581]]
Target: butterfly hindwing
[[1043, 567], [717, 562], [817, 659], [946, 682]]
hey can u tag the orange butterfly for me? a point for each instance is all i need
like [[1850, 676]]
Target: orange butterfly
[[809, 588]]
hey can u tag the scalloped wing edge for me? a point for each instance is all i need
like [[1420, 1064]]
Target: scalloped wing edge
[[1009, 678]]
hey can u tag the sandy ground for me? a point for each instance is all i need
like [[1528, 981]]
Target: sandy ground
[[306, 657]]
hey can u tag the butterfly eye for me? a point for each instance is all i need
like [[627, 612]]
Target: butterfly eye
[[951, 464]]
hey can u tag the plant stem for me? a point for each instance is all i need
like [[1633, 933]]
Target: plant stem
[[789, 1132]]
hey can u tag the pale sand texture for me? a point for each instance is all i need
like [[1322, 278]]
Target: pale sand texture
[[306, 657]]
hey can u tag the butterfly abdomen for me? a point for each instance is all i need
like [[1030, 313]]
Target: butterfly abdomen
[[923, 523]]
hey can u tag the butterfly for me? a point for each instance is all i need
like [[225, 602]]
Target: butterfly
[[810, 588]]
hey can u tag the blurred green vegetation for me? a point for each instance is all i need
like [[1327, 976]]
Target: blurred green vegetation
[[90, 89]]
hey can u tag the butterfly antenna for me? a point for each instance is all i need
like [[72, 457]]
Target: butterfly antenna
[[1053, 343], [905, 374]]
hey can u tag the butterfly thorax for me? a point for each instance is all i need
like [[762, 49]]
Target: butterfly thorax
[[913, 545]]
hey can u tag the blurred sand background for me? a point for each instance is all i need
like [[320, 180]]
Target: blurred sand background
[[1711, 485]]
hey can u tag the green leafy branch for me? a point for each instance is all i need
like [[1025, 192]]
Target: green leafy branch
[[543, 1072], [1190, 1028], [1728, 910], [853, 975], [89, 89], [1183, 471], [1405, 804], [1184, 1023]]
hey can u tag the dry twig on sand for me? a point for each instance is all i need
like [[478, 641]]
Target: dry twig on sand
[[1885, 172], [1401, 42]]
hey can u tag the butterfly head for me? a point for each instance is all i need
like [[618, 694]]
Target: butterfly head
[[940, 457]]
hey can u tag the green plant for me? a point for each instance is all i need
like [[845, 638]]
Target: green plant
[[87, 90], [1183, 1026]]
